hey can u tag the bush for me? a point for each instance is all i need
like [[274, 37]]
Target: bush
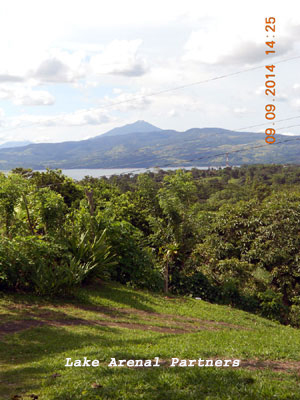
[[249, 302], [34, 264], [294, 316], [61, 279], [271, 305], [198, 285], [93, 252], [230, 293], [135, 262]]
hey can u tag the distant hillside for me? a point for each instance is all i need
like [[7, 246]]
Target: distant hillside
[[151, 146], [14, 144]]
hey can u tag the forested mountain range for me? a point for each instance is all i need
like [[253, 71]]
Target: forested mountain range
[[144, 145]]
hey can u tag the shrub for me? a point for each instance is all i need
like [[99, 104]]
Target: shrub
[[294, 316], [198, 285], [230, 293], [23, 259], [44, 267], [135, 262], [271, 305], [91, 254]]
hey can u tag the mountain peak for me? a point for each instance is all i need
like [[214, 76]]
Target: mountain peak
[[139, 126]]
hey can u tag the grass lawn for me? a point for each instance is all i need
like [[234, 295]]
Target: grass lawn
[[113, 321]]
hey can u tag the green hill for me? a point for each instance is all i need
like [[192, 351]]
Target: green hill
[[143, 145], [114, 321]]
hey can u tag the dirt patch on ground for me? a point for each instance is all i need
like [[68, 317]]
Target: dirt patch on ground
[[279, 366], [43, 319], [109, 317], [17, 326], [149, 315], [112, 324], [284, 366]]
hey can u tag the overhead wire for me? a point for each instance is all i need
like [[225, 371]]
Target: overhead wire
[[183, 87], [140, 97], [200, 158], [188, 160], [172, 165]]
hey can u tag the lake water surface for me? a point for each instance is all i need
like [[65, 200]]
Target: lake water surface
[[96, 173], [79, 174]]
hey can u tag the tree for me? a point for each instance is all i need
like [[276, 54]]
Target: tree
[[174, 232]]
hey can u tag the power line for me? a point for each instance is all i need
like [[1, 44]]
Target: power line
[[190, 160], [268, 123], [226, 153], [208, 156], [286, 127], [161, 92]]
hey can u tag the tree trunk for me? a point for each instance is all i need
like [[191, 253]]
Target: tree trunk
[[28, 215], [90, 199], [166, 273]]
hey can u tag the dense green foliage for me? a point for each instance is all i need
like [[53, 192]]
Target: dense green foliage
[[229, 236]]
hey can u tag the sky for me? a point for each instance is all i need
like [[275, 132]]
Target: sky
[[71, 70]]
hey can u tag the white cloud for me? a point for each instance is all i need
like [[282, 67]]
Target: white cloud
[[125, 101], [201, 47], [240, 110], [78, 118], [120, 57], [282, 97], [247, 52], [2, 115], [296, 103], [10, 78], [168, 73], [185, 105], [173, 113], [221, 42], [85, 117], [53, 70], [296, 86], [20, 95], [33, 98], [56, 65], [260, 90], [61, 67], [51, 65]]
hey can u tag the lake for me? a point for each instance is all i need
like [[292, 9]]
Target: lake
[[96, 173], [79, 174]]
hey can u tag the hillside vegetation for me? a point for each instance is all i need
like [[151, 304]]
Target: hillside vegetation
[[144, 145], [214, 251], [228, 236]]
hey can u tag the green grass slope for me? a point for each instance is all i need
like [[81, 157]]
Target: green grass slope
[[113, 321]]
